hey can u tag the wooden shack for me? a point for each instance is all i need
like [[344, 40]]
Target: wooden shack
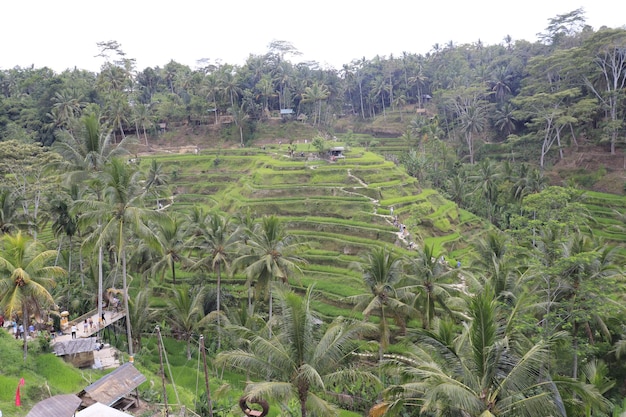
[[115, 389]]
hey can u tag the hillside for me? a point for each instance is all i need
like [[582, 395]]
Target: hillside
[[341, 209]]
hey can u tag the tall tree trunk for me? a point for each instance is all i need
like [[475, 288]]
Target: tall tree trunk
[[128, 329], [219, 296], [25, 326], [100, 278]]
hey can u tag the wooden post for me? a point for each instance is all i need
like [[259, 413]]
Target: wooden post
[[158, 330], [206, 377]]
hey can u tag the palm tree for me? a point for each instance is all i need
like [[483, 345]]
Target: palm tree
[[239, 116], [216, 244], [142, 316], [382, 273], [485, 371], [120, 212], [168, 247], [269, 255], [185, 313], [434, 284], [301, 359], [10, 213], [142, 117], [117, 110], [156, 180], [65, 223], [27, 277], [316, 93], [88, 150]]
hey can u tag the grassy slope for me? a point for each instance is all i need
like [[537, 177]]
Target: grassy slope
[[340, 209]]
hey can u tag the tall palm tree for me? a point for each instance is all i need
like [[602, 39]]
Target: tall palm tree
[[27, 276], [185, 313], [270, 254], [142, 316], [156, 180], [88, 149], [119, 214], [434, 285], [142, 116], [239, 116], [216, 244], [168, 247], [10, 213], [316, 93], [65, 222], [382, 274], [301, 359]]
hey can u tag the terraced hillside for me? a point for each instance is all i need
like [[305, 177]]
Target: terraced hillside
[[341, 209]]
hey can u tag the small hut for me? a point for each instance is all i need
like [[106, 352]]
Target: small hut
[[115, 389]]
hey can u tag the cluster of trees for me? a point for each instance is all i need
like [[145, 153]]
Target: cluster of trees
[[530, 324], [556, 92]]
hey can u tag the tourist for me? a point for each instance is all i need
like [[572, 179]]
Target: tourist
[[90, 323], [74, 330], [85, 326]]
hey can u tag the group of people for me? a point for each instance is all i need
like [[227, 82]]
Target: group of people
[[16, 329]]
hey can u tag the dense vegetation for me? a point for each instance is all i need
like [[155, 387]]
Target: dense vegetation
[[504, 297]]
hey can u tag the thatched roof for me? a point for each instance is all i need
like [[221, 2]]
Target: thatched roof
[[57, 406], [118, 384]]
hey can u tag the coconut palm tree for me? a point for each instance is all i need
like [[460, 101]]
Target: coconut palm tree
[[168, 247], [301, 359], [269, 254], [26, 277], [239, 116], [216, 244], [185, 313], [10, 213], [434, 285], [382, 274], [120, 213], [88, 149], [65, 222], [489, 370], [316, 93], [142, 316]]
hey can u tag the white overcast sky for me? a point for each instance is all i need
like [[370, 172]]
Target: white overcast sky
[[64, 34]]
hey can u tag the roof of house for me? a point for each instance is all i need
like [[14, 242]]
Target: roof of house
[[58, 406], [116, 385], [87, 344], [101, 410]]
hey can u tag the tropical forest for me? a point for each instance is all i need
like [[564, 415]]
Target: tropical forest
[[437, 234]]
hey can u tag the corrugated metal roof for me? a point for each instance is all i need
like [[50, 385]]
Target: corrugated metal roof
[[73, 346], [101, 410], [57, 406], [116, 385]]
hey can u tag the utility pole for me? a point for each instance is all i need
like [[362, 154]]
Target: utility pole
[[206, 377], [158, 330]]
